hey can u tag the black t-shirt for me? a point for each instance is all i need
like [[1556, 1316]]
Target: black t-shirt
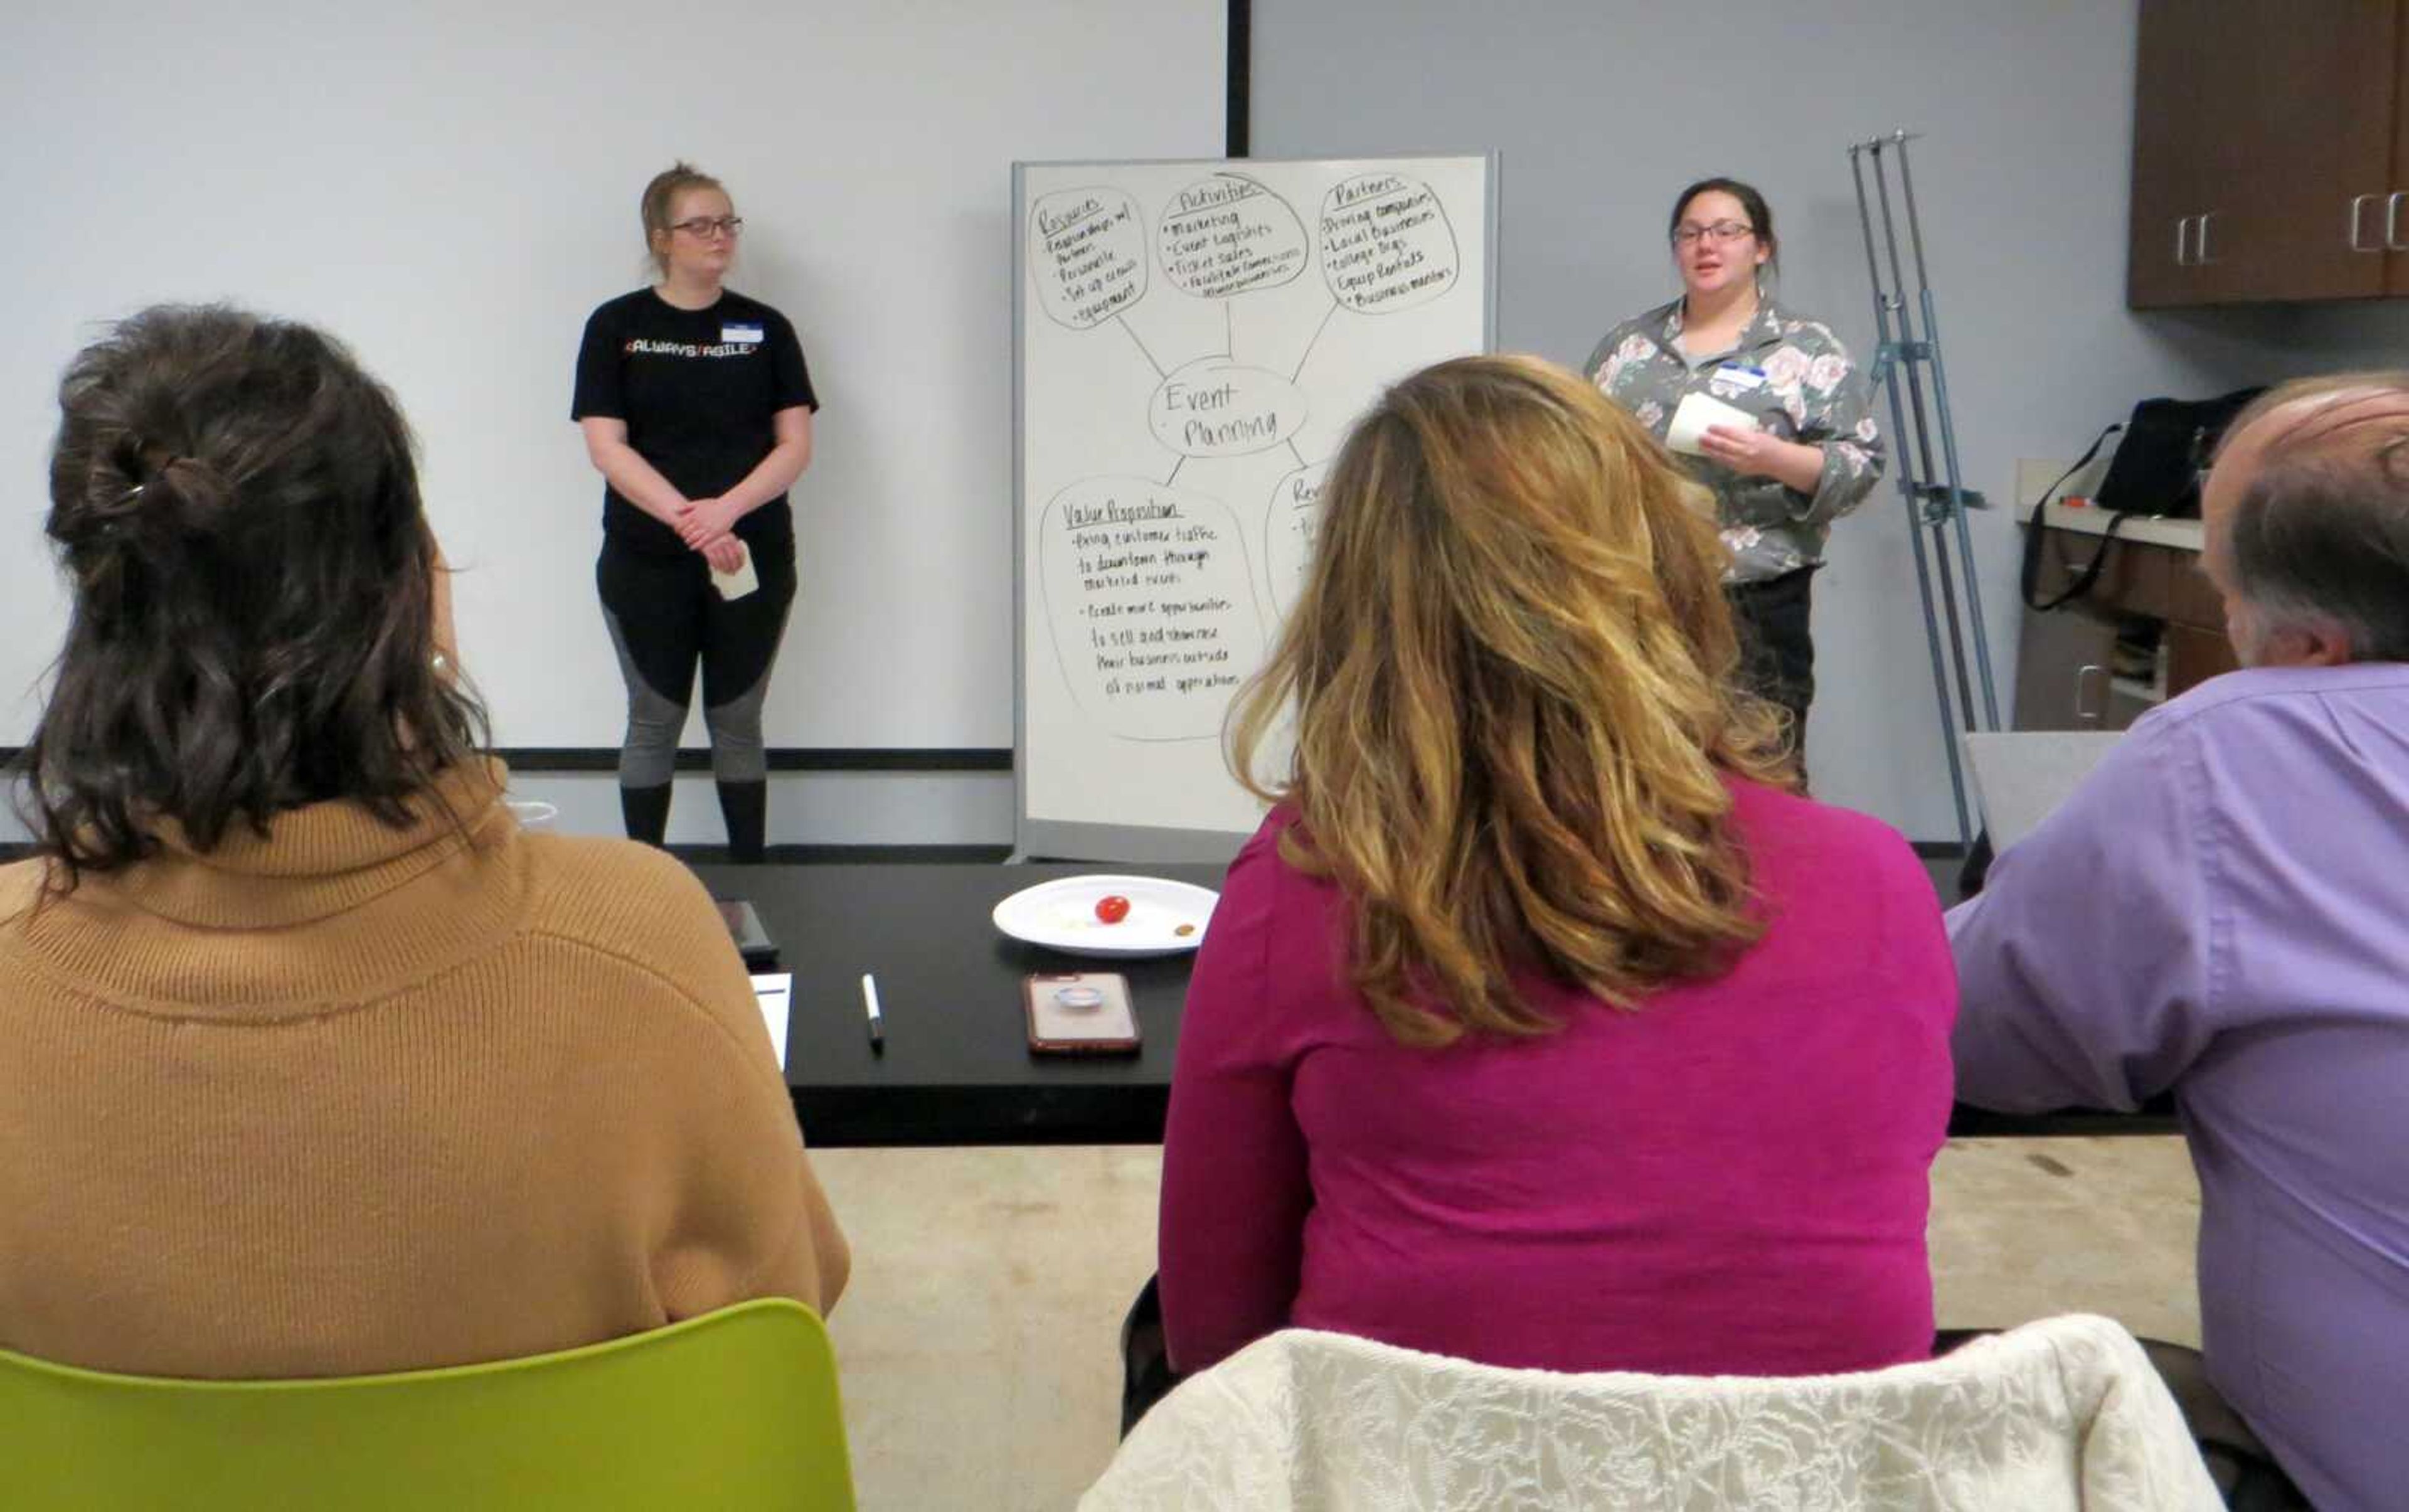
[[698, 389]]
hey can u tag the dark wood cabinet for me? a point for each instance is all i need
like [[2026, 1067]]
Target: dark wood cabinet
[[2167, 119], [2062, 660], [2271, 153], [2396, 198], [2194, 655], [2150, 630]]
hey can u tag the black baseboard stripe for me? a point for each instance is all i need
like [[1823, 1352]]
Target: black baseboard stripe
[[542, 759], [777, 854], [524, 758], [803, 855]]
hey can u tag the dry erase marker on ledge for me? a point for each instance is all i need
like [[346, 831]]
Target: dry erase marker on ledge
[[870, 1009]]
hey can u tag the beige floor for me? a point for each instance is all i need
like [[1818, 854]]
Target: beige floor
[[979, 1343]]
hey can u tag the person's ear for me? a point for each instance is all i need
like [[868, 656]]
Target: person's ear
[[2316, 643], [2324, 644]]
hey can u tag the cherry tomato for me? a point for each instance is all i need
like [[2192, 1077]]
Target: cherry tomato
[[1112, 908]]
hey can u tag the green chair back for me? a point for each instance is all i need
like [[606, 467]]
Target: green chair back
[[734, 1410]]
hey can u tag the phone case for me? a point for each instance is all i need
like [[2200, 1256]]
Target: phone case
[[1117, 1015], [752, 937]]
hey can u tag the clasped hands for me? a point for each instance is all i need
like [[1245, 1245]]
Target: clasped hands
[[1749, 452], [705, 524], [1757, 453]]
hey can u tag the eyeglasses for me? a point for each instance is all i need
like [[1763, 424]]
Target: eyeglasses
[[1687, 236], [703, 227]]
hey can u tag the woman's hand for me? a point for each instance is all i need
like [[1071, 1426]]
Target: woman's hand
[[1756, 454], [725, 554], [703, 520]]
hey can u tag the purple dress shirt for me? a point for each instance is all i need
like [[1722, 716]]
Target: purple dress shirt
[[2223, 909]]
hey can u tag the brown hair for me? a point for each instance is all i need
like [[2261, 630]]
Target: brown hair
[[1512, 674], [660, 194], [2320, 530], [1760, 214], [253, 614]]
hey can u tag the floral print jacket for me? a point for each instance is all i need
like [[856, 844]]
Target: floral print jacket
[[1793, 375]]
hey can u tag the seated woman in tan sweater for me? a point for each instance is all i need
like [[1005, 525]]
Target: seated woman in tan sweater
[[311, 1062]]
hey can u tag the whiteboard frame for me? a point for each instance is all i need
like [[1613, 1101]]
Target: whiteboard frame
[[1069, 840]]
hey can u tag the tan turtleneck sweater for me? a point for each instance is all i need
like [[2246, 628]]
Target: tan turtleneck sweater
[[354, 1099]]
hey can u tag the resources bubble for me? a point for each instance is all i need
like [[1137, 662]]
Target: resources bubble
[[1087, 254]]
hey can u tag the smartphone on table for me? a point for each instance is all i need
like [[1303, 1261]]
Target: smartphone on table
[[752, 939], [1079, 1013]]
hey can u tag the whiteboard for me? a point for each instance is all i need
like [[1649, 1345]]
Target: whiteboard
[[450, 186], [1193, 340]]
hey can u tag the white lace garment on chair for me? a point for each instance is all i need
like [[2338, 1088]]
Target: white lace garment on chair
[[2061, 1416]]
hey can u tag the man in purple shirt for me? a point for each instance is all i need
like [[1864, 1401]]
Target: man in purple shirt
[[2223, 909]]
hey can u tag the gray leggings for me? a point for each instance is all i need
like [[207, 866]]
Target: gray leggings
[[665, 618]]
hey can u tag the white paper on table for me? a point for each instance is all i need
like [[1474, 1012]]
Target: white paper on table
[[775, 992], [1697, 412], [737, 583]]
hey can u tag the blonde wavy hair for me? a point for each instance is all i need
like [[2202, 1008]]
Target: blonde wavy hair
[[1511, 675]]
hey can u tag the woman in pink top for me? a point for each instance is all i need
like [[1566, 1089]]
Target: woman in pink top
[[1543, 1023]]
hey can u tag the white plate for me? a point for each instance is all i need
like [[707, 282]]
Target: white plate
[[1061, 915]]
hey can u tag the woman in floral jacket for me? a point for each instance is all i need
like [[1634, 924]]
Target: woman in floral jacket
[[1815, 452]]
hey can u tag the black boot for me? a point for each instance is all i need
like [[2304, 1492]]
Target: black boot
[[745, 806], [645, 812]]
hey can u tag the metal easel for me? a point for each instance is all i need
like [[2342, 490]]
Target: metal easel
[[1907, 363]]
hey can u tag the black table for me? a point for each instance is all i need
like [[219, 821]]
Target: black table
[[956, 1067]]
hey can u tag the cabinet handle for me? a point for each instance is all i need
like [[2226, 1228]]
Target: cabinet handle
[[2199, 248], [2392, 220], [2084, 713], [2180, 260], [2358, 217]]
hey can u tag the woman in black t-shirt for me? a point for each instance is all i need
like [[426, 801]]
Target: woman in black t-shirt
[[697, 409]]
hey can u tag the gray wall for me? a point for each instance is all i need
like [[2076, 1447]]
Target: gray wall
[[447, 185], [1603, 109]]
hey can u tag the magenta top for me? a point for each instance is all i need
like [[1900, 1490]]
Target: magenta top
[[1731, 1180]]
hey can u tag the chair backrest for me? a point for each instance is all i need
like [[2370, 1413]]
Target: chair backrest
[[737, 1410], [2061, 1416]]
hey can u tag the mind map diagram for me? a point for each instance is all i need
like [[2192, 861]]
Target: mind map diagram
[[1155, 591]]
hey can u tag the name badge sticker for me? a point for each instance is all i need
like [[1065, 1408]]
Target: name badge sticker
[[750, 334], [1731, 377]]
